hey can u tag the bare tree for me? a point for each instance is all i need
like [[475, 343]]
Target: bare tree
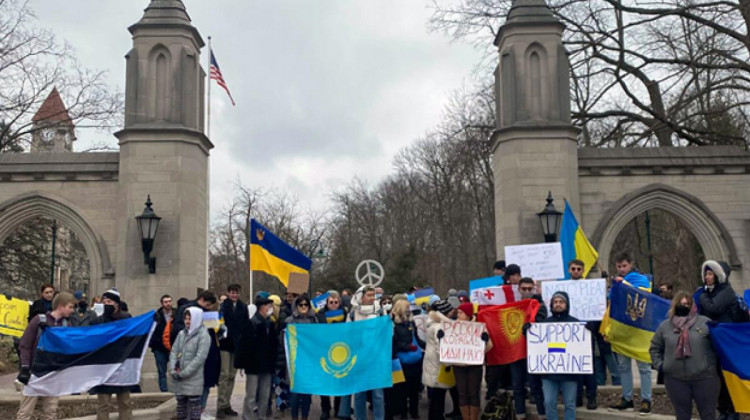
[[32, 62]]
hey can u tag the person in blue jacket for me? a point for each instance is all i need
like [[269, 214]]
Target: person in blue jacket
[[627, 274]]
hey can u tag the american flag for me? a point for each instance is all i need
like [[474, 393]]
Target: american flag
[[215, 74]]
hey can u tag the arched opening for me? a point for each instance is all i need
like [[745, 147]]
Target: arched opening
[[662, 245], [17, 212], [715, 242], [42, 250]]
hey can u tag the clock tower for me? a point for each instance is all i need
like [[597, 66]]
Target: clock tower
[[53, 129]]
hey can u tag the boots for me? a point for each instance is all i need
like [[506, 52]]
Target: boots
[[465, 413]]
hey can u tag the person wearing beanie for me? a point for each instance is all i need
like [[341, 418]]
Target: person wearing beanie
[[82, 316], [718, 302], [499, 268], [452, 292], [463, 296], [113, 312], [469, 377], [440, 312], [454, 301]]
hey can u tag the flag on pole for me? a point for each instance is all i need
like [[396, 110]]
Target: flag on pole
[[575, 244], [215, 74], [72, 360], [271, 255]]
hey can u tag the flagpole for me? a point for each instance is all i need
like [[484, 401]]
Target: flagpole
[[208, 119]]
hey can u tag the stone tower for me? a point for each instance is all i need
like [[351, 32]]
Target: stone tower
[[535, 142], [53, 129], [164, 153]]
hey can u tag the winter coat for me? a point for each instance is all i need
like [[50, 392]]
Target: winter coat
[[702, 363], [258, 346], [110, 389], [156, 343], [39, 306], [720, 303], [431, 362], [561, 317], [541, 314], [179, 319], [30, 337], [322, 315], [212, 368], [82, 319], [402, 342], [188, 356], [235, 316]]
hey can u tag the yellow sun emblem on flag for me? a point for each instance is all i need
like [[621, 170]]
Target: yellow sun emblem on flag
[[511, 323], [339, 361]]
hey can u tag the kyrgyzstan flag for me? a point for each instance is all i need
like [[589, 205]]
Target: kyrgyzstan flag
[[505, 326]]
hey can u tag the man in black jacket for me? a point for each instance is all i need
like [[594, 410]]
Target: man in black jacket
[[204, 301], [235, 315], [257, 356], [161, 353]]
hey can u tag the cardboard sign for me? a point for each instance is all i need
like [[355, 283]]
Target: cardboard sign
[[588, 298], [538, 261], [559, 347], [421, 322], [298, 283], [462, 343]]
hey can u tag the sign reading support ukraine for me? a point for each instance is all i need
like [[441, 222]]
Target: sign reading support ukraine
[[339, 359]]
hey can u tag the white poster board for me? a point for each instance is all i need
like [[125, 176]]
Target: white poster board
[[559, 347], [462, 343], [421, 322], [588, 298], [538, 261]]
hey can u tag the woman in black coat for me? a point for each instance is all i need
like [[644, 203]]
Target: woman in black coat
[[404, 396]]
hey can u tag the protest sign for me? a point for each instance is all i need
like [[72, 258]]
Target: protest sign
[[14, 314], [588, 298], [421, 322], [462, 343], [298, 283], [559, 347], [538, 261]]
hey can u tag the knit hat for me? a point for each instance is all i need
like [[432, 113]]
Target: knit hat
[[463, 293], [442, 306], [562, 295], [263, 295], [719, 268], [499, 265], [467, 308], [260, 301], [452, 292], [112, 294], [454, 301], [512, 269], [433, 299], [79, 294]]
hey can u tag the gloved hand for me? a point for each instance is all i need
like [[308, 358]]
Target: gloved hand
[[176, 376], [485, 337], [526, 327], [24, 375], [440, 334]]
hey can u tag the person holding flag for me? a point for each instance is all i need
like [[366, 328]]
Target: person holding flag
[[332, 313], [518, 369]]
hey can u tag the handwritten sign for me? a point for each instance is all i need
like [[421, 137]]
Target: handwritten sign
[[538, 261], [14, 314], [559, 347], [588, 298], [421, 322], [462, 343]]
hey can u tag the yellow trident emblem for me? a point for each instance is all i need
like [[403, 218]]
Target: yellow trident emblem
[[636, 309], [340, 360], [260, 233]]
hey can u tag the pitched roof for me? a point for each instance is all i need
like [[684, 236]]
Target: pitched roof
[[53, 109]]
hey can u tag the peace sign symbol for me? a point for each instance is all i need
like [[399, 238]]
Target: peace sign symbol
[[372, 274]]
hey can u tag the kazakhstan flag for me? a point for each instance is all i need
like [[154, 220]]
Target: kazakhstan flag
[[339, 359], [271, 255], [731, 342], [575, 244], [631, 320]]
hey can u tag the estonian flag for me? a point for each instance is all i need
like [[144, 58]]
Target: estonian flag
[[71, 360]]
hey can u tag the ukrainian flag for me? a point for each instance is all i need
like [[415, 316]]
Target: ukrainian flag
[[631, 320], [731, 341], [335, 316], [575, 244], [556, 348], [339, 359], [397, 372], [271, 255]]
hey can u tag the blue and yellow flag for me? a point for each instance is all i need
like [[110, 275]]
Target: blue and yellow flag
[[631, 320], [271, 255], [397, 372], [731, 342], [575, 244], [339, 359]]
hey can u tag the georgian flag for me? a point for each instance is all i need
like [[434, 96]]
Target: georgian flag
[[70, 360], [498, 295]]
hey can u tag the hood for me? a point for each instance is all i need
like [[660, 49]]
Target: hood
[[720, 269], [196, 319], [565, 296], [434, 317]]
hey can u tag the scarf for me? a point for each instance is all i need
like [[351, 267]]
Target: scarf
[[682, 326]]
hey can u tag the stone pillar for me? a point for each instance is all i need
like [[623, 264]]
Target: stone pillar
[[535, 144]]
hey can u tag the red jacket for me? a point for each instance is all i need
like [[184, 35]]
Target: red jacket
[[30, 337]]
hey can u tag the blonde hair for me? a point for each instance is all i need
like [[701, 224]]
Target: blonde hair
[[681, 294], [401, 312], [63, 299]]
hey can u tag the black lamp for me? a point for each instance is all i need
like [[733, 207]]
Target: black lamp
[[550, 219], [148, 223]]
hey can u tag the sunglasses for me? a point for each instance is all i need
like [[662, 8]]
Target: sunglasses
[[576, 269], [333, 302], [303, 305], [526, 289]]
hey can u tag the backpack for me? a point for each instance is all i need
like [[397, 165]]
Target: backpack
[[166, 335], [499, 407]]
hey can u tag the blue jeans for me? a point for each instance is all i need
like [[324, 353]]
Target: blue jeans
[[162, 359], [204, 396], [626, 377], [360, 405], [300, 402], [345, 409], [551, 388], [605, 361]]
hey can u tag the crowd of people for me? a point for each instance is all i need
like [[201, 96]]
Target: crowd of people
[[191, 358]]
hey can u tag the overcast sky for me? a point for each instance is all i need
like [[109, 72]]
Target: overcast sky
[[326, 90]]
